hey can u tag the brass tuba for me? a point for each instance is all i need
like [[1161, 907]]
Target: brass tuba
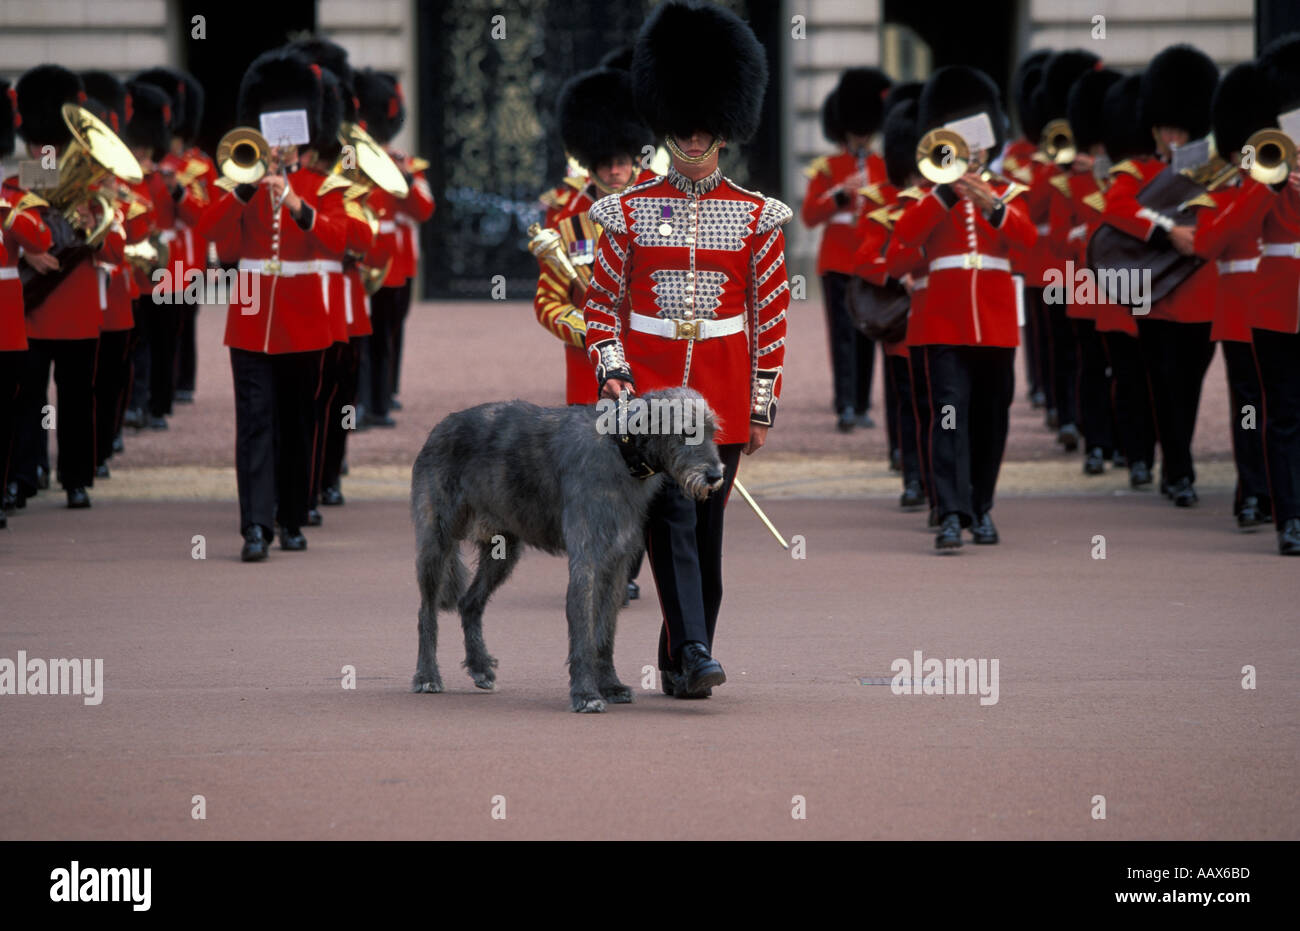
[[1275, 156], [243, 155], [1057, 142], [370, 165], [94, 153], [942, 156]]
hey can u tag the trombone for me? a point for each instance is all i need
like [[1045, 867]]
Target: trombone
[[243, 155], [1057, 142], [942, 156], [1275, 156]]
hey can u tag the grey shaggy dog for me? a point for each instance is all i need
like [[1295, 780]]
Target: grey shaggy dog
[[548, 478]]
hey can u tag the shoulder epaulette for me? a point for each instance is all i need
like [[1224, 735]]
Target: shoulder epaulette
[[1062, 184], [775, 213], [884, 216], [1201, 200], [227, 184], [577, 182], [353, 209], [1096, 200], [643, 184], [608, 212], [332, 183], [911, 193], [873, 191], [1041, 159], [1127, 167], [1014, 190], [821, 165]]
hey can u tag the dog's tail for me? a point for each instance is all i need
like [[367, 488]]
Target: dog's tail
[[439, 568]]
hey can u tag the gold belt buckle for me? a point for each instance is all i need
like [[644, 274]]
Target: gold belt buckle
[[686, 329], [972, 260], [271, 266], [1295, 250]]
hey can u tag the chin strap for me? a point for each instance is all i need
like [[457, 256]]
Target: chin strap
[[678, 154]]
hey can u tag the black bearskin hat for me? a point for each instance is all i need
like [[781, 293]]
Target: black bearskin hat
[[901, 93], [186, 98], [901, 137], [1243, 104], [1083, 109], [598, 118], [831, 127], [1051, 97], [1280, 65], [698, 67], [334, 58], [1176, 90], [111, 93], [860, 99], [1122, 129], [618, 58], [1023, 84], [326, 142], [382, 106], [8, 117], [150, 126], [281, 80], [957, 91], [42, 92]]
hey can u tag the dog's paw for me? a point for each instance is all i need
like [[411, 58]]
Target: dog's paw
[[426, 683], [487, 681], [616, 694], [588, 704]]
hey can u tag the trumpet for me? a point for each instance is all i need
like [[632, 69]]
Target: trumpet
[[1057, 142], [1275, 155], [243, 155], [942, 156], [94, 153], [367, 164]]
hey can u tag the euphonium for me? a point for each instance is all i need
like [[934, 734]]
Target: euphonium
[[243, 155], [547, 245], [94, 153], [369, 163], [942, 156], [1057, 142], [1274, 156]]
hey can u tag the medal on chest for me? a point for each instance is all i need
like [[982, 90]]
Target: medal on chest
[[665, 215]]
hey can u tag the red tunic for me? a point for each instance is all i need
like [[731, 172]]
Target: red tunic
[[874, 236], [683, 251], [24, 231], [1025, 164], [399, 224], [839, 239], [1278, 279], [291, 313], [1229, 236], [975, 304], [199, 176]]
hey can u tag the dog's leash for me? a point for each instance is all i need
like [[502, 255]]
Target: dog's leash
[[636, 463]]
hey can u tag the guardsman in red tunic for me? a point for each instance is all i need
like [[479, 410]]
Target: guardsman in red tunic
[[22, 232], [1021, 161], [288, 236], [384, 111], [882, 268], [1131, 150], [190, 175], [968, 322], [1276, 320], [64, 328], [601, 131], [690, 289], [1175, 336], [157, 309], [835, 198], [1078, 201]]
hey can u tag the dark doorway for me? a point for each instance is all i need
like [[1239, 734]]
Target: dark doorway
[[243, 30], [982, 36]]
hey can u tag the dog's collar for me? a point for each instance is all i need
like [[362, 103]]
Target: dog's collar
[[637, 467]]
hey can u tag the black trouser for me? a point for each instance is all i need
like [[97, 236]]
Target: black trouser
[[1247, 425], [852, 354], [1092, 388], [326, 413], [399, 332], [1037, 308], [112, 369], [684, 543], [336, 435], [1278, 358], [273, 423], [12, 366], [140, 354], [921, 406], [904, 415], [187, 353], [1177, 355], [1135, 432], [385, 314], [971, 389], [74, 411], [1029, 337], [164, 323], [1064, 359], [891, 406]]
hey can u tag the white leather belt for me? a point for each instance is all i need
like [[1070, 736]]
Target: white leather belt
[[844, 218], [687, 329], [167, 235], [1290, 250], [387, 226], [976, 260], [7, 273], [1044, 229], [1232, 266], [919, 283], [1077, 232], [290, 269]]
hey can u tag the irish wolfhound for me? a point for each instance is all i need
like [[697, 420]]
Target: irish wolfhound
[[511, 474]]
